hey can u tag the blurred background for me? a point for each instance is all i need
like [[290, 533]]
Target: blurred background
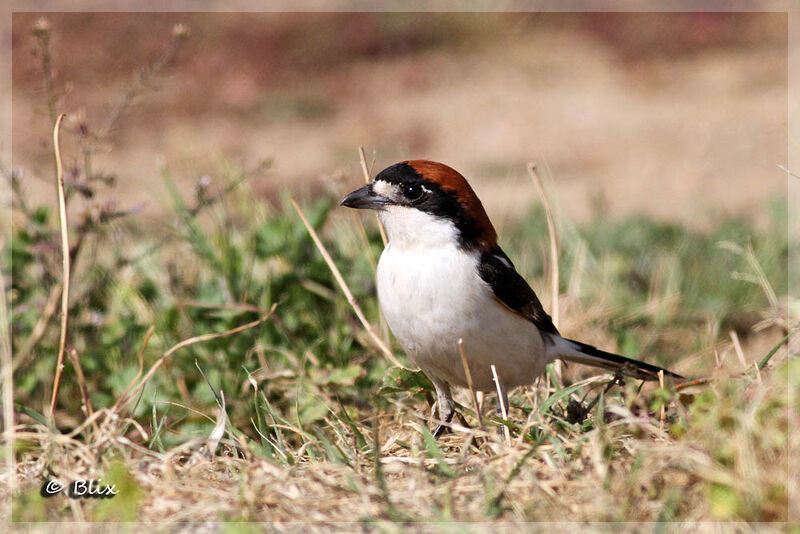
[[680, 116]]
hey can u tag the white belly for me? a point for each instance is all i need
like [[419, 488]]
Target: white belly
[[431, 297]]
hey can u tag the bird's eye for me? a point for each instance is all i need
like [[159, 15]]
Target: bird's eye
[[413, 192]]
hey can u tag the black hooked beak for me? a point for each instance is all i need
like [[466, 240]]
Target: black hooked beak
[[365, 199]]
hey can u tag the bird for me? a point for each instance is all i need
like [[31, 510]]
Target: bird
[[442, 277]]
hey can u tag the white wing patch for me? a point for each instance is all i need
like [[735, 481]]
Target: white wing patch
[[504, 261]]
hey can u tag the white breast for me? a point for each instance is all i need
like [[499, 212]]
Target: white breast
[[431, 295]]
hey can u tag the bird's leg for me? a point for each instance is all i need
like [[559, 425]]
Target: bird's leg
[[502, 405], [504, 396], [444, 399]]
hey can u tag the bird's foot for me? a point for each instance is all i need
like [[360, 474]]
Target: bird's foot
[[441, 429], [444, 426]]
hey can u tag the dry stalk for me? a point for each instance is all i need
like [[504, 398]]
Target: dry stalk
[[502, 403], [345, 289], [663, 404], [554, 270], [469, 381], [718, 360], [61, 438], [62, 211], [758, 372], [87, 404], [384, 328], [367, 172], [210, 447], [738, 348], [696, 382], [121, 403]]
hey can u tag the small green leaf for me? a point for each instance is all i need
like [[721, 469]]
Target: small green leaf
[[557, 396], [33, 414], [434, 452], [398, 379]]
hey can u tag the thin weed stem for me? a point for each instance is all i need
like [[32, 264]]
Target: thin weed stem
[[367, 172], [468, 374], [345, 289], [554, 269], [62, 211]]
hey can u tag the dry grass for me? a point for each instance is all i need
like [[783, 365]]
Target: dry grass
[[628, 469]]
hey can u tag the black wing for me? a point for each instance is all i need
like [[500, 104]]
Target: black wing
[[512, 290]]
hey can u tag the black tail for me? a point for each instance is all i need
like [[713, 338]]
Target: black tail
[[589, 355]]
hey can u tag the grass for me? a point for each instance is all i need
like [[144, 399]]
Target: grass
[[218, 373], [311, 408]]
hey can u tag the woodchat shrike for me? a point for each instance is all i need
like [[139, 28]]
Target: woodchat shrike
[[442, 277]]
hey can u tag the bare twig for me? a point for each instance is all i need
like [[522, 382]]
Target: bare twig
[[469, 381], [62, 210], [502, 403], [366, 172], [696, 382], [345, 289]]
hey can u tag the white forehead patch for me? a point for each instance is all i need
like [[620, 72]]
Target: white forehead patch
[[385, 189]]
